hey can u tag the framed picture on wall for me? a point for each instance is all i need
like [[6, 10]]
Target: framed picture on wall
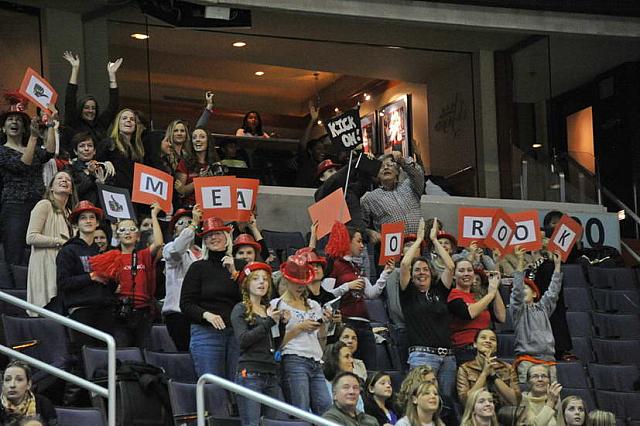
[[395, 126], [369, 135]]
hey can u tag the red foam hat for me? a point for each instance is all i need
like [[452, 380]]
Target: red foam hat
[[251, 267], [297, 270], [325, 165], [85, 206], [311, 255], [534, 288], [177, 215], [413, 237], [442, 234], [17, 105], [213, 224], [246, 240]]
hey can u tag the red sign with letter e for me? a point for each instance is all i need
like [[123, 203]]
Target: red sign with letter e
[[152, 185], [502, 229], [217, 197], [565, 235], [391, 239]]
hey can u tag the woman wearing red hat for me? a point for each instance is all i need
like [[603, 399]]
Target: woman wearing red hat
[[179, 254], [48, 230], [21, 163], [209, 293], [258, 328], [87, 297], [302, 377], [245, 247], [534, 342]]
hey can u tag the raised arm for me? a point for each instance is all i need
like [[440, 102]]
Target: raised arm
[[413, 171], [52, 130], [550, 297], [208, 111], [313, 114], [517, 292], [173, 251], [477, 308], [112, 69], [449, 265], [499, 310], [27, 156], [157, 231], [414, 250], [375, 290]]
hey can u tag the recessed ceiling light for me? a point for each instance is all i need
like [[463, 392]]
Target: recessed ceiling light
[[367, 97], [536, 145], [239, 44], [259, 73], [139, 36], [319, 122], [336, 109]]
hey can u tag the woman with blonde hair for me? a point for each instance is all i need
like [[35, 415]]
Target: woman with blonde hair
[[479, 409], [601, 418], [123, 148], [252, 321], [178, 134], [48, 230], [424, 407]]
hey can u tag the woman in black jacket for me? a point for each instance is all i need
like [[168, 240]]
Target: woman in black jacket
[[18, 401], [209, 293], [253, 323], [87, 297]]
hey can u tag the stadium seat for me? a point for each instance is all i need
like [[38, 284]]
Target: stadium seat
[[616, 351], [46, 340], [183, 399], [573, 375], [383, 359], [271, 422], [618, 301], [223, 421], [573, 276], [377, 311], [582, 349], [177, 365], [96, 358], [507, 325], [12, 310], [616, 325], [614, 377], [577, 299], [505, 345], [79, 416], [282, 242], [585, 394], [624, 404], [19, 276], [579, 324], [161, 341], [614, 278], [6, 280]]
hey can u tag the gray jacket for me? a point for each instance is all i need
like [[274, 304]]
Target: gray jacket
[[533, 335]]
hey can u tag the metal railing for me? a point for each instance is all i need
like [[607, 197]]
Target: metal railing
[[248, 393], [109, 392]]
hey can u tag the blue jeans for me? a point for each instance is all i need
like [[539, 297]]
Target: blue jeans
[[444, 368], [304, 384], [214, 351], [266, 384]]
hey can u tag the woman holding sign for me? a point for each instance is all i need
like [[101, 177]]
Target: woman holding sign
[[424, 306]]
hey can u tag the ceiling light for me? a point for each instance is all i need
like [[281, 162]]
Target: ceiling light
[[139, 36], [319, 122], [381, 114], [367, 97], [536, 145], [259, 73], [336, 109], [239, 44]]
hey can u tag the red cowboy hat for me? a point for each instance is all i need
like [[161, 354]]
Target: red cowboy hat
[[213, 224], [534, 288], [85, 206], [297, 270], [178, 214], [18, 106], [413, 237], [442, 234], [246, 240], [325, 165], [311, 256], [251, 267]]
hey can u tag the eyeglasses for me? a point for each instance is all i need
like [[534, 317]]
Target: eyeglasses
[[539, 376], [129, 230], [183, 222]]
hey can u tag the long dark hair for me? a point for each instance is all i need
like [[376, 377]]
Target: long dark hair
[[189, 154], [369, 400], [245, 126], [331, 358]]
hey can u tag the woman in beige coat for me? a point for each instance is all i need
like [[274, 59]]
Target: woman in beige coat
[[48, 230]]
